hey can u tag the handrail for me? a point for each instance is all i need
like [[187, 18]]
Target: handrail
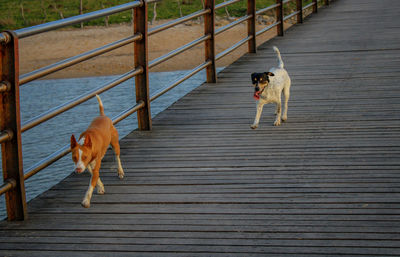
[[225, 4], [232, 24], [173, 23], [10, 130], [78, 100], [180, 80], [26, 32], [124, 114], [291, 15], [309, 5], [268, 28], [267, 9], [177, 51], [39, 73], [234, 47]]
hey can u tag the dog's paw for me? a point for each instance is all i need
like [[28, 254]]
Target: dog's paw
[[85, 203], [121, 174], [254, 126], [284, 118], [101, 191], [277, 123]]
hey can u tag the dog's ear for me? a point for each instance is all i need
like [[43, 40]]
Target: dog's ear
[[73, 142], [88, 141], [269, 74]]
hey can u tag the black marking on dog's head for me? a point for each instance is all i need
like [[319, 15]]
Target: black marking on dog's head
[[261, 77]]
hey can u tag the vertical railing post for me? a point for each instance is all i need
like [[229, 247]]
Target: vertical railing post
[[299, 5], [209, 29], [315, 6], [141, 61], [326, 2], [10, 120], [279, 17], [251, 25]]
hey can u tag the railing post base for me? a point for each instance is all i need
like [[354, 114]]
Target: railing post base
[[10, 120]]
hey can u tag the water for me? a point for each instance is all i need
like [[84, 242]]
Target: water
[[41, 141]]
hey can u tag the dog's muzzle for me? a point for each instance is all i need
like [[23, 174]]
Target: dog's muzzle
[[257, 92]]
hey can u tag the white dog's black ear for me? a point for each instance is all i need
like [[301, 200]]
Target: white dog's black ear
[[270, 74]]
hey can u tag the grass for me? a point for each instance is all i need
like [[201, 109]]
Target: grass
[[15, 14]]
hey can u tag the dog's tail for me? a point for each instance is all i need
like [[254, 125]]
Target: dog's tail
[[100, 105], [280, 62]]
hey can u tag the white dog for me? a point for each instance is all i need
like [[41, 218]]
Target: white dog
[[268, 87]]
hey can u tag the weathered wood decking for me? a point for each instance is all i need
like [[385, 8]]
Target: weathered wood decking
[[202, 183]]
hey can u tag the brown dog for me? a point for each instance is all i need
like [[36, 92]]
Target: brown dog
[[91, 148]]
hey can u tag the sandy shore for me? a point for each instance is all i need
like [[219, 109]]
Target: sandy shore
[[47, 48]]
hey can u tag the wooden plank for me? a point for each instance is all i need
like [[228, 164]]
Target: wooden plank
[[202, 183]]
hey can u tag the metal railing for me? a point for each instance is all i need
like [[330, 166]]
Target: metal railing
[[10, 81]]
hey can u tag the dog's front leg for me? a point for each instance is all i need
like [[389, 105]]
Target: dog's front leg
[[278, 114], [100, 185], [93, 181], [258, 115]]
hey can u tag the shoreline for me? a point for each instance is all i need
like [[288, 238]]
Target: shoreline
[[47, 48]]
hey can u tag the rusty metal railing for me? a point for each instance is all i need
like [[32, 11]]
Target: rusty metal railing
[[11, 127]]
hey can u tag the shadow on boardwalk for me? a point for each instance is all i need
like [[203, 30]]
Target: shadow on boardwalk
[[202, 183]]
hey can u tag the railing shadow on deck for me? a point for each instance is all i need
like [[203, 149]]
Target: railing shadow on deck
[[10, 124]]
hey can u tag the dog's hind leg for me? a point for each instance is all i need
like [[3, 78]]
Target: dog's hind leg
[[258, 115], [286, 93], [117, 151]]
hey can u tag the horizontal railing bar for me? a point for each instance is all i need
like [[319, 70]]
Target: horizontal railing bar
[[39, 73], [7, 186], [308, 6], [6, 135], [286, 1], [122, 115], [232, 24], [267, 9], [173, 23], [180, 80], [222, 5], [26, 32], [232, 48], [52, 158], [267, 28], [178, 51], [78, 100], [291, 15]]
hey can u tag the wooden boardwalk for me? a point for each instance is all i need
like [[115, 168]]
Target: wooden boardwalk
[[202, 183]]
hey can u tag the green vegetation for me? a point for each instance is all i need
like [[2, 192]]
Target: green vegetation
[[15, 14]]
